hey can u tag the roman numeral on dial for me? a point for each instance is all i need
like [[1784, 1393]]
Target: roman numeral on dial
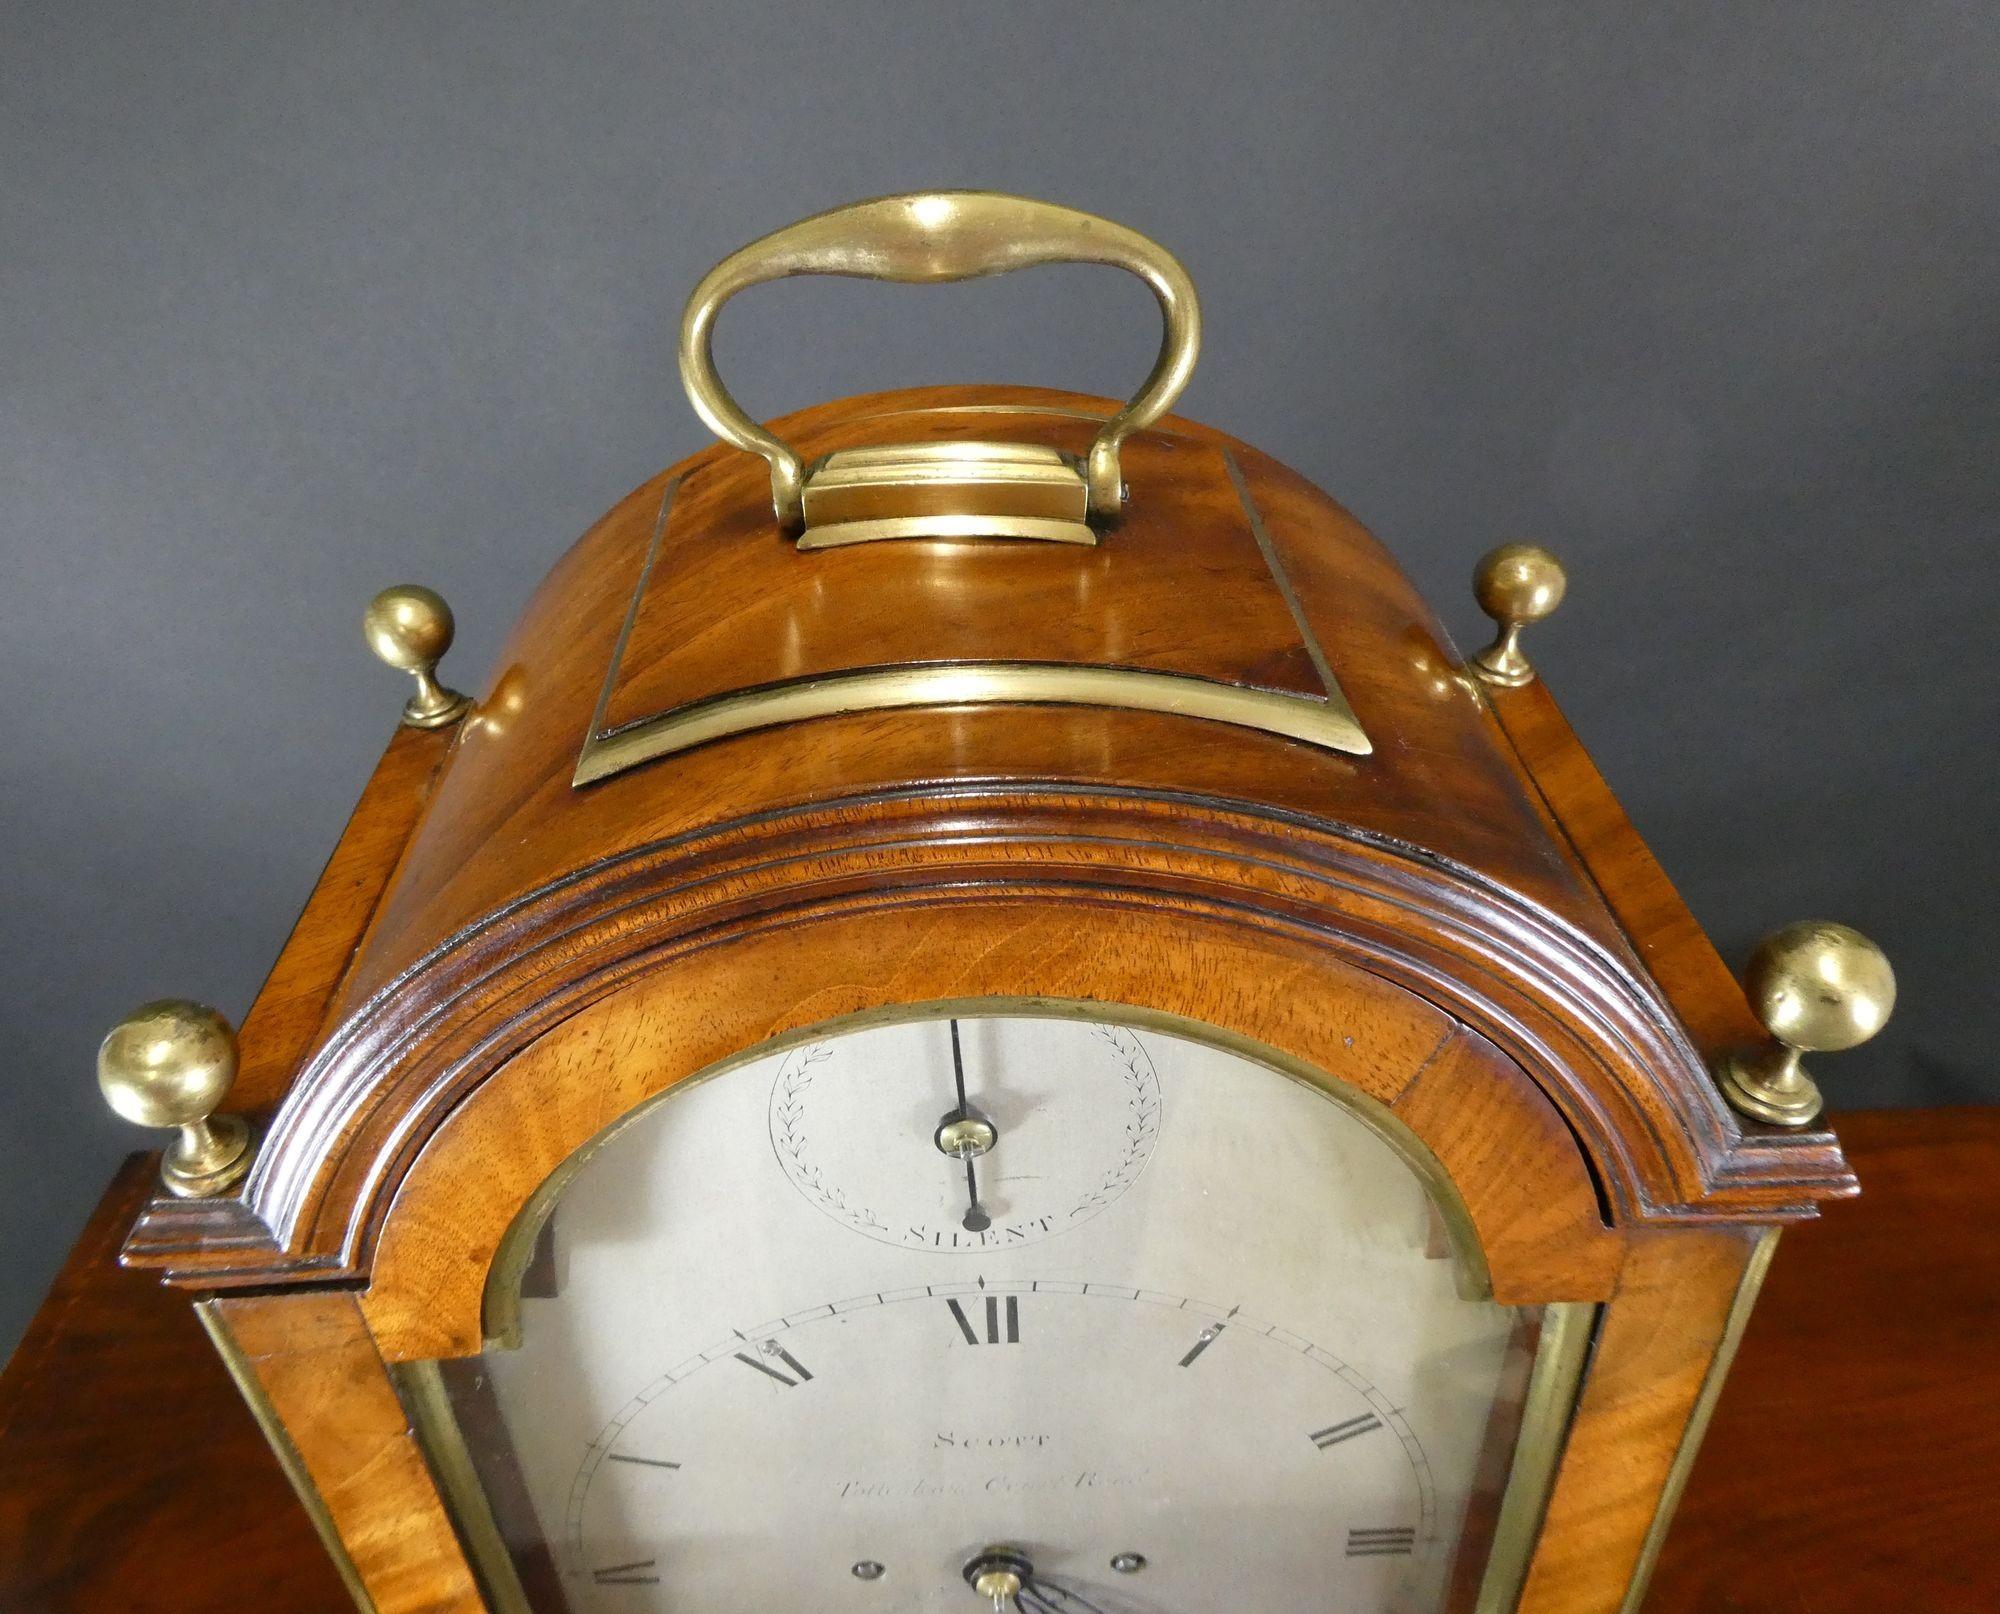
[[1393, 1541], [783, 1355], [632, 1574], [1334, 1434], [993, 1315]]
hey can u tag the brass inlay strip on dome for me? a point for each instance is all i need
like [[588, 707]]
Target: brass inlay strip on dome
[[1323, 720]]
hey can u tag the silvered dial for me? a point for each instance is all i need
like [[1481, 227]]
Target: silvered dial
[[1206, 1352], [966, 1136], [1188, 1397]]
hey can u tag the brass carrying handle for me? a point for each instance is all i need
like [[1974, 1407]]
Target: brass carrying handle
[[927, 237]]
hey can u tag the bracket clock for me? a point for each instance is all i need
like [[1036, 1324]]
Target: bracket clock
[[984, 1015]]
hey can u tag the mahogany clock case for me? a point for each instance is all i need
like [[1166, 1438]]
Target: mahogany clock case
[[434, 1042], [1880, 1507]]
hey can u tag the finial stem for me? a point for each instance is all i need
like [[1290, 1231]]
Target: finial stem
[[1502, 662], [1771, 1085], [433, 706]]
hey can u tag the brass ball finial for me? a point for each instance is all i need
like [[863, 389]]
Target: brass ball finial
[[1515, 585], [1818, 987], [169, 1063], [410, 627]]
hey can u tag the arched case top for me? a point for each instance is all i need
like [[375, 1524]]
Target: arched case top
[[980, 701], [640, 783], [1238, 636]]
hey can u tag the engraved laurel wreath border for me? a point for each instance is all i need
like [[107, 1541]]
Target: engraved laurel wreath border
[[795, 1077]]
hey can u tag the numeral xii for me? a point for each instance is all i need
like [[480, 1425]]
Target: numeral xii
[[993, 1323]]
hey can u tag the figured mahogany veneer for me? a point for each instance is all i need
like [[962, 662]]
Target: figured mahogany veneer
[[1446, 812], [1461, 927], [318, 1370]]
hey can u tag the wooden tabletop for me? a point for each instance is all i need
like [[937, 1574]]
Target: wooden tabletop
[[1854, 1460], [1851, 1467]]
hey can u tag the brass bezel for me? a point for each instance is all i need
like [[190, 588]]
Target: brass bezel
[[1561, 1354], [425, 1399]]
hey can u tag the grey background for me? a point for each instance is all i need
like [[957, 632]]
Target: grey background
[[297, 300]]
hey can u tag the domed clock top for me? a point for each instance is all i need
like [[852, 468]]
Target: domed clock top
[[985, 1013]]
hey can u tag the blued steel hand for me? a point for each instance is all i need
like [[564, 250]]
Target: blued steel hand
[[975, 1219], [1045, 1597]]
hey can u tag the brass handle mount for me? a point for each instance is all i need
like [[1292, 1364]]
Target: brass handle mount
[[924, 238]]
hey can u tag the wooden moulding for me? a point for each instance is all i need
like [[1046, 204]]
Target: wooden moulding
[[277, 1034], [1667, 1291], [1236, 580], [291, 1009], [1672, 946], [470, 1184], [1589, 1031], [473, 905], [1702, 991]]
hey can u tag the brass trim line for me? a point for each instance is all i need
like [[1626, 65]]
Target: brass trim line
[[1568, 1329], [435, 1424], [244, 1376], [1283, 579], [1326, 723], [631, 616], [1697, 1425]]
